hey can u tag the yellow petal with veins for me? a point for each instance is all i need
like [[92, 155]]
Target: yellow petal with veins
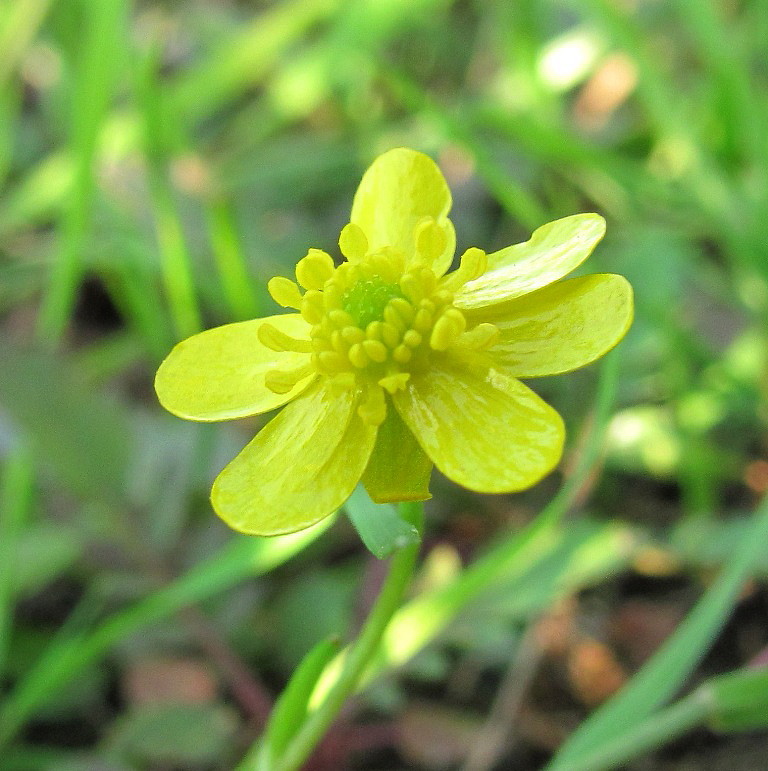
[[553, 251], [561, 327], [399, 190], [219, 374], [300, 467], [482, 428]]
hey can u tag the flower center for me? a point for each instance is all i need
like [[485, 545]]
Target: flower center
[[366, 300], [375, 321]]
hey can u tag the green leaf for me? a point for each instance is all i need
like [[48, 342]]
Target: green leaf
[[740, 701], [69, 654], [43, 552], [186, 735], [379, 525], [671, 665], [82, 436]]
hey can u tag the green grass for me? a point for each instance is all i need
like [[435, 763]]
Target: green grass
[[159, 163]]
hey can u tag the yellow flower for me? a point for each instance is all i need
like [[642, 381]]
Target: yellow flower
[[391, 365]]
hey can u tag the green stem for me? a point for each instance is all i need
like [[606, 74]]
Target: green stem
[[361, 652]]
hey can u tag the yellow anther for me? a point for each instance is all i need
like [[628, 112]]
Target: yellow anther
[[340, 319], [373, 330], [431, 240], [284, 292], [352, 242], [375, 349], [373, 410], [482, 336], [282, 381], [443, 334], [402, 354], [332, 295], [315, 269], [457, 319], [395, 382], [427, 305], [358, 356], [352, 335], [447, 329], [390, 334], [411, 287], [412, 338], [473, 264], [319, 344], [428, 281], [403, 308], [423, 320], [312, 307], [331, 361], [276, 340], [392, 317], [337, 343], [382, 265]]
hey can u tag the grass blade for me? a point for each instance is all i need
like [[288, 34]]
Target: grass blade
[[97, 71], [671, 665], [66, 657]]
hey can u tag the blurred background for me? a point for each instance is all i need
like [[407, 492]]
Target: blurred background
[[160, 161]]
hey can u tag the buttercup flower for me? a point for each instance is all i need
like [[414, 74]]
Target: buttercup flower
[[392, 365]]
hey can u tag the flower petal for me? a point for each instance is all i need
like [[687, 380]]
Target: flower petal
[[300, 467], [561, 327], [481, 427], [553, 251], [398, 470], [219, 374], [401, 189]]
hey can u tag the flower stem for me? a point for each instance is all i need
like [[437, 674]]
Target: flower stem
[[362, 650]]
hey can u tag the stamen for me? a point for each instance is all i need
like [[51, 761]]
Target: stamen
[[353, 242], [447, 330], [428, 281], [375, 349], [412, 338], [481, 337], [284, 292], [373, 330], [281, 381], [315, 269], [412, 287], [399, 313], [389, 334], [276, 340], [331, 361], [352, 335], [430, 239], [340, 319], [337, 343], [358, 356], [473, 264], [312, 307], [395, 382], [402, 354], [332, 295], [423, 320], [373, 410]]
